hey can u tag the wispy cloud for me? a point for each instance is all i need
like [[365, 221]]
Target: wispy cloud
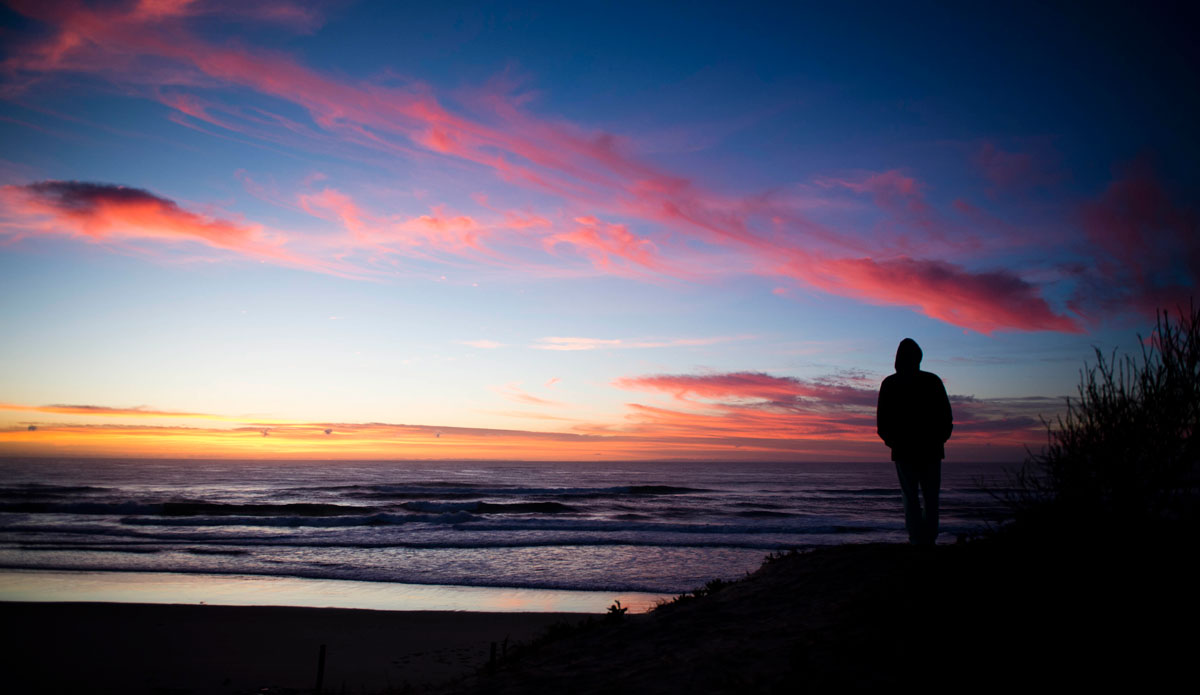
[[513, 392], [1015, 170], [138, 412], [613, 248], [482, 344], [101, 212], [981, 301], [619, 212], [101, 410], [568, 344], [576, 343], [1144, 247], [758, 386]]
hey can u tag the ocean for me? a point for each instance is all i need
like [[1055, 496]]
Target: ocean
[[651, 528]]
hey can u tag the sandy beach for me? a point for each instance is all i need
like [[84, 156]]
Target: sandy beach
[[848, 617], [141, 648]]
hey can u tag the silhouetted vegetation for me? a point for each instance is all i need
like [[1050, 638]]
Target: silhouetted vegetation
[[1124, 456], [777, 555], [710, 587]]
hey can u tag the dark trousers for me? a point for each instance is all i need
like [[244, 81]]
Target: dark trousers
[[925, 477]]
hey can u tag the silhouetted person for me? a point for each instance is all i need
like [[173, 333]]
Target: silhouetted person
[[914, 420]]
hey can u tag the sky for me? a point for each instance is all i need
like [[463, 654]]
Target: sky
[[577, 231]]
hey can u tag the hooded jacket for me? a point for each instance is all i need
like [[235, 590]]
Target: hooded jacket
[[913, 417]]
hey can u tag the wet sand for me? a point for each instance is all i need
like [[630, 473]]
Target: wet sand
[[143, 648]]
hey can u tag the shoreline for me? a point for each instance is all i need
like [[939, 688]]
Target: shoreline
[[136, 587], [141, 648], [849, 617]]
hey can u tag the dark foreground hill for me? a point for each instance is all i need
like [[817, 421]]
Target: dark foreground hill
[[991, 614]]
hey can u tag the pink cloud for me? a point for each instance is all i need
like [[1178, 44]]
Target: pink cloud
[[898, 194], [514, 393], [593, 172], [106, 212], [100, 410], [1014, 171], [1012, 420], [443, 230], [910, 221], [440, 235], [611, 247], [980, 301], [567, 344], [891, 189], [752, 424], [482, 344], [781, 391], [1145, 247]]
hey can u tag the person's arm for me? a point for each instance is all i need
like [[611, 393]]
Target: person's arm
[[884, 417], [947, 415]]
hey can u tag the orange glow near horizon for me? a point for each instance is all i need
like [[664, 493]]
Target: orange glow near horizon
[[647, 434], [389, 441]]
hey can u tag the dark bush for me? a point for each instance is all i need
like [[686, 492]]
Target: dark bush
[[1125, 453]]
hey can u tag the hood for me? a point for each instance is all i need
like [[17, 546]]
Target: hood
[[908, 356]]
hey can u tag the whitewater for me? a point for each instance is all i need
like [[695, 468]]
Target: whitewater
[[663, 527]]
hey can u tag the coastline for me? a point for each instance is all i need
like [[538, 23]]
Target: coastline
[[155, 648], [103, 586], [1012, 611]]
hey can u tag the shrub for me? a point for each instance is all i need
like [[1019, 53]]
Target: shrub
[[1125, 453]]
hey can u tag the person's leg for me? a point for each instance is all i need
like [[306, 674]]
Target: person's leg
[[909, 493], [931, 487]]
